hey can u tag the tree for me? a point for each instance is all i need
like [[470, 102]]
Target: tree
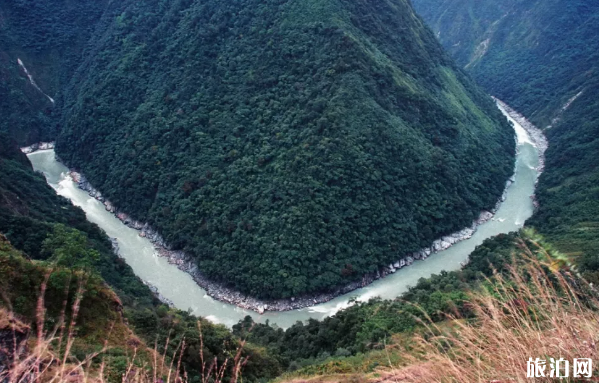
[[69, 248]]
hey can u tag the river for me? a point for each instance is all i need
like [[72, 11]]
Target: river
[[178, 287]]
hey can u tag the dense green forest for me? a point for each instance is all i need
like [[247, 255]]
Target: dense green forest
[[540, 57], [50, 38], [534, 55], [38, 222], [568, 191], [289, 147], [307, 109]]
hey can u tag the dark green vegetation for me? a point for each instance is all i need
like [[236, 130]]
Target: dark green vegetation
[[233, 128], [49, 228], [30, 212], [49, 37], [569, 189], [289, 146], [318, 140], [541, 54], [21, 285], [367, 326]]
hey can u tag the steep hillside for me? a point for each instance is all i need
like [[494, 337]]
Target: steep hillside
[[542, 58], [568, 192], [287, 146], [510, 316], [535, 55], [79, 315], [21, 286], [49, 38], [30, 211]]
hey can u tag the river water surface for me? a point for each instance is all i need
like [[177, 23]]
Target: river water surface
[[178, 287]]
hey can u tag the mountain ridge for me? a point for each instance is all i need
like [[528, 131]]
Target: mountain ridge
[[306, 118]]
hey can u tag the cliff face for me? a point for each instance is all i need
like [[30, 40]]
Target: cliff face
[[541, 58], [288, 146]]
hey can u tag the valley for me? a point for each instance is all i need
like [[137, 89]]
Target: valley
[[176, 286], [297, 191]]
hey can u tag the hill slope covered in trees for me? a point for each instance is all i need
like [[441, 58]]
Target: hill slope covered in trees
[[541, 57], [49, 37], [288, 146]]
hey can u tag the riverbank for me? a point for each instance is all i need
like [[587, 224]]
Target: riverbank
[[224, 294], [536, 135], [39, 146]]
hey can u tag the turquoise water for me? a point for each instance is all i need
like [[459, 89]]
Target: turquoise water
[[178, 286]]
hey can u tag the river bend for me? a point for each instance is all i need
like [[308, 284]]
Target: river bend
[[178, 287]]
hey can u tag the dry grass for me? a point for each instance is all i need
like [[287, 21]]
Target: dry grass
[[538, 309], [44, 355], [534, 312]]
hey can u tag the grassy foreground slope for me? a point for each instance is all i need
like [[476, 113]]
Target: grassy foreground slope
[[534, 307], [542, 58], [73, 327], [288, 146]]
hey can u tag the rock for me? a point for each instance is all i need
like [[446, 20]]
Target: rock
[[109, 207], [485, 216], [46, 145], [39, 146]]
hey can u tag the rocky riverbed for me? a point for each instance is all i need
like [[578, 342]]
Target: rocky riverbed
[[38, 146], [536, 135]]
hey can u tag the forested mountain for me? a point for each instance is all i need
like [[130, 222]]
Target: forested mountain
[[535, 55], [291, 146], [49, 37], [288, 146], [541, 57], [46, 241]]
